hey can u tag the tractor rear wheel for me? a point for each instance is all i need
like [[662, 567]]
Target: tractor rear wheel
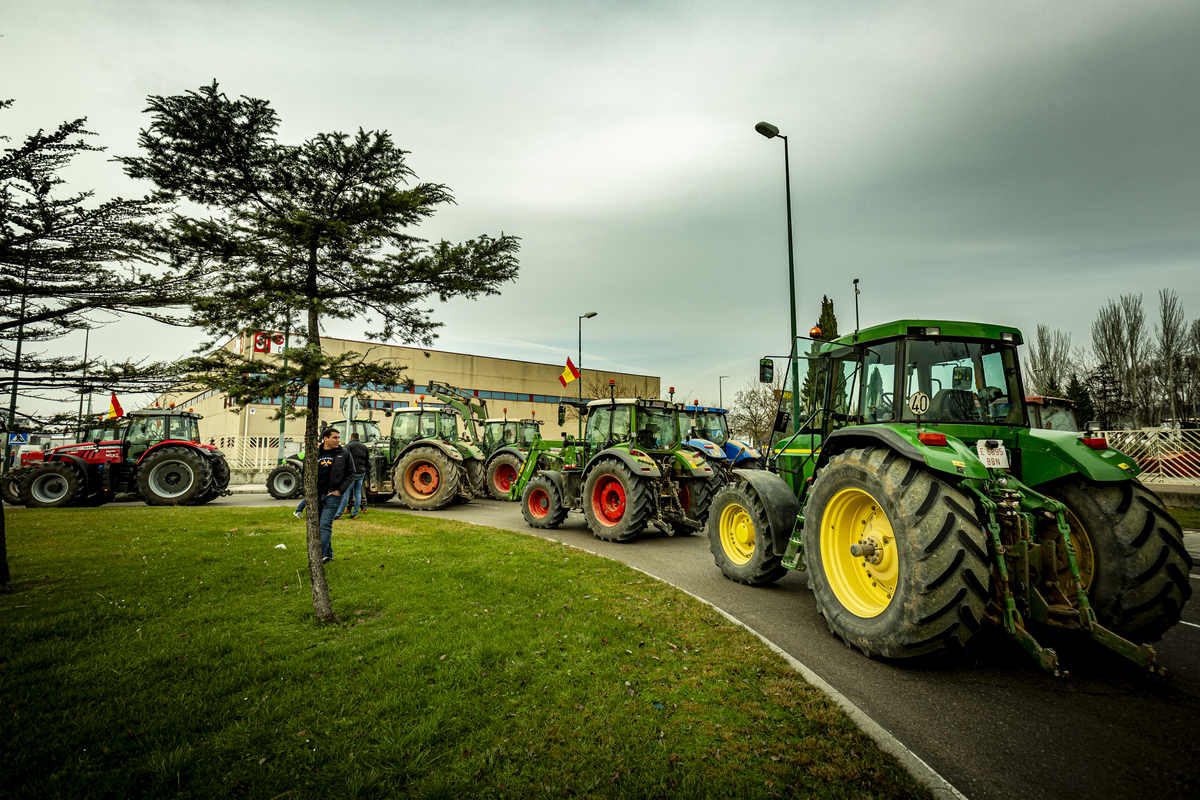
[[739, 537], [897, 560], [1130, 555], [427, 479], [50, 485], [616, 504], [10, 486], [502, 472], [541, 504], [173, 476], [284, 482]]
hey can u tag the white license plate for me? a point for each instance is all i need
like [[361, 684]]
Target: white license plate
[[992, 457]]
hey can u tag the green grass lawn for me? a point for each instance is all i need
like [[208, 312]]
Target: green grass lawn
[[156, 651], [1187, 517]]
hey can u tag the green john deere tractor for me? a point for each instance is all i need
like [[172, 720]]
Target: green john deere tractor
[[628, 472], [930, 506]]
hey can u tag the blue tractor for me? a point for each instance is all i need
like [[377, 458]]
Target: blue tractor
[[705, 431]]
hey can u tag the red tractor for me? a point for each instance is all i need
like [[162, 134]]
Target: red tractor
[[159, 457]]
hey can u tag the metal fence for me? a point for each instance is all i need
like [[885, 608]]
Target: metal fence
[[1164, 454], [255, 452]]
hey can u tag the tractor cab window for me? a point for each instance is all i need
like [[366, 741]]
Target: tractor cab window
[[879, 380], [447, 425], [368, 431], [622, 417], [1059, 418], [844, 390], [406, 427], [529, 434], [143, 433], [598, 422], [657, 429], [711, 426], [184, 428], [965, 381]]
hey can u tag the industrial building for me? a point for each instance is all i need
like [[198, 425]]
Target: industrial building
[[521, 389]]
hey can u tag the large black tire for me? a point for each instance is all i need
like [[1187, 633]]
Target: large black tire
[[10, 485], [173, 476], [1130, 554], [739, 536], [502, 472], [427, 479], [219, 483], [285, 482], [616, 504], [50, 485], [928, 589], [541, 504], [695, 495]]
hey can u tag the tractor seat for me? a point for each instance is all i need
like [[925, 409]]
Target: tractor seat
[[952, 404]]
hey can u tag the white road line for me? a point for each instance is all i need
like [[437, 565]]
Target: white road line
[[1194, 625]]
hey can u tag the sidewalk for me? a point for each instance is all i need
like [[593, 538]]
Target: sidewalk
[[249, 488], [1177, 495]]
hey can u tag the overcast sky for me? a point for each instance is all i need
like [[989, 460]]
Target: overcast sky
[[1017, 163]]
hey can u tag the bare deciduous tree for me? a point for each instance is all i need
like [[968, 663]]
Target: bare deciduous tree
[[1172, 339], [1048, 367]]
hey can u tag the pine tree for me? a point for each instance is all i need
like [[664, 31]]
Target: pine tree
[[1078, 394], [827, 322], [292, 235]]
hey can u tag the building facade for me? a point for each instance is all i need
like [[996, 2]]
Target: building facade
[[250, 436]]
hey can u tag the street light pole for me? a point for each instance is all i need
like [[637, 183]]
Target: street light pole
[[770, 131], [579, 366], [720, 392]]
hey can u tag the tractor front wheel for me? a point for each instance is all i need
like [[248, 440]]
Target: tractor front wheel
[[1130, 555], [173, 476], [897, 561], [740, 537], [50, 485], [502, 472], [541, 504], [427, 479], [616, 503], [284, 482]]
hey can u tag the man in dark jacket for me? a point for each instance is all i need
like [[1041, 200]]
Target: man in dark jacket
[[354, 495], [335, 472]]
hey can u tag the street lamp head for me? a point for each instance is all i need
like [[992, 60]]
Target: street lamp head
[[590, 314], [767, 129]]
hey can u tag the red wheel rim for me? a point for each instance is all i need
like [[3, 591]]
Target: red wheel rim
[[539, 503], [505, 474], [422, 478], [685, 497], [608, 500]]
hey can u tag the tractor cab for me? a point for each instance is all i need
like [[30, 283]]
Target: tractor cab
[[367, 430], [651, 425], [153, 426], [1051, 413], [432, 422]]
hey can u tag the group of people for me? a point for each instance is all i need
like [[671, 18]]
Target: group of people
[[340, 475]]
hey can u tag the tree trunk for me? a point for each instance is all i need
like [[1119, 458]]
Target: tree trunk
[[322, 605]]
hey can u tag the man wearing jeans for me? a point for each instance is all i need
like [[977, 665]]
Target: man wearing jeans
[[335, 471], [354, 495]]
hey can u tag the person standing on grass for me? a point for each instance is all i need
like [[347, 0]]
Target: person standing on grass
[[362, 459], [335, 471]]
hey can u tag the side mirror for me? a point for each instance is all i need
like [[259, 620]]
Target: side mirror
[[562, 415], [782, 420], [766, 370]]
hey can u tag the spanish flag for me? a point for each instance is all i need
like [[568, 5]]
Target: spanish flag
[[114, 408], [569, 374]]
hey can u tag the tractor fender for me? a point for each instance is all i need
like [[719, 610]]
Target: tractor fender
[[737, 451], [779, 502], [643, 467], [450, 450], [864, 435], [554, 476], [512, 451], [75, 461], [1049, 455]]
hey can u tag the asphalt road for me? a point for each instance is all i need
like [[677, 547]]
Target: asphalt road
[[989, 721]]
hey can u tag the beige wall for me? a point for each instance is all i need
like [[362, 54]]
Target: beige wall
[[474, 373]]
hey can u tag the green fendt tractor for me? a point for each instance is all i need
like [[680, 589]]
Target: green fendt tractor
[[628, 472], [930, 506], [285, 482], [431, 467]]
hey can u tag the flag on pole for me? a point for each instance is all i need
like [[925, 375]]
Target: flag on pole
[[114, 408], [569, 374]]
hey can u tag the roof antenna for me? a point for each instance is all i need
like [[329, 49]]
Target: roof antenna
[[856, 294]]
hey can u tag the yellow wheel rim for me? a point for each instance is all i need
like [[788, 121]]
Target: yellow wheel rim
[[1084, 559], [864, 584], [737, 534]]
